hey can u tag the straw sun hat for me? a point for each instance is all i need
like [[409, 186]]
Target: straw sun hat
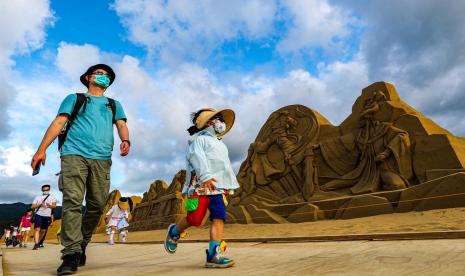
[[208, 113], [123, 203]]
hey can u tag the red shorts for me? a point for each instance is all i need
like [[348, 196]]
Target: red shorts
[[215, 203]]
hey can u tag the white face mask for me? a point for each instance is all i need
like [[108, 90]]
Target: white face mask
[[219, 126]]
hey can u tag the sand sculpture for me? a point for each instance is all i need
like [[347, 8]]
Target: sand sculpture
[[161, 205], [302, 168], [113, 199]]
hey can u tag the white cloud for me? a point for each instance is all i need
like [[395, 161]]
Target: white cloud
[[418, 46], [189, 31], [22, 25], [73, 60], [314, 23], [192, 29], [15, 160]]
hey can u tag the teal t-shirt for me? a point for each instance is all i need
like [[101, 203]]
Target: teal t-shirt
[[91, 135]]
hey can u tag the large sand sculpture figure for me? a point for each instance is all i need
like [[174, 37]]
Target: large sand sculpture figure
[[385, 156]]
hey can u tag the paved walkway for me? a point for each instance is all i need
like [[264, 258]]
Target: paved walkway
[[413, 257]]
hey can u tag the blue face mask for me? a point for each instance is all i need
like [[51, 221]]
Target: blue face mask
[[102, 80]]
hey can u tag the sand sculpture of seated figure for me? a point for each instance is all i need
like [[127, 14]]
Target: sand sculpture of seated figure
[[375, 157], [274, 161]]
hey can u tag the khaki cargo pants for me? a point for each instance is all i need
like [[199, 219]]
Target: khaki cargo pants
[[81, 176]]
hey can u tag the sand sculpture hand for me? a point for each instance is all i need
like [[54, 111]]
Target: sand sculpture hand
[[384, 155]]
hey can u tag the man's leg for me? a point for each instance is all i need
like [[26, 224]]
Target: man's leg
[[98, 188], [36, 235], [74, 173], [43, 233]]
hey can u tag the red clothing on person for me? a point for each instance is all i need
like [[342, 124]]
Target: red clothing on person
[[26, 221]]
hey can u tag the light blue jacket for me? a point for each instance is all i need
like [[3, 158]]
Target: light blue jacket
[[208, 157]]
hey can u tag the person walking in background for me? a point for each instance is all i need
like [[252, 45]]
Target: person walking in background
[[42, 218], [7, 236], [84, 127], [25, 227], [210, 178], [42, 240], [119, 216]]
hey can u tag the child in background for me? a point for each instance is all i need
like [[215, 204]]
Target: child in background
[[7, 236], [119, 218], [210, 178], [25, 227]]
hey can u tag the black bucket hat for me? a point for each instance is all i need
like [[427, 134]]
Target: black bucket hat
[[91, 69]]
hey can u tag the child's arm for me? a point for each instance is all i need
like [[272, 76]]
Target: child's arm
[[110, 211]]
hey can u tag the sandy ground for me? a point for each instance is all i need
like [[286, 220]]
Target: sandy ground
[[423, 257], [434, 220]]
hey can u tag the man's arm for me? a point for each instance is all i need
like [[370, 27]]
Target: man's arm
[[53, 204], [123, 133], [35, 204], [52, 132]]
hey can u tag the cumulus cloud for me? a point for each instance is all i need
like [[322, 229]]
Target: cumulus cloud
[[15, 160], [313, 23], [418, 46], [22, 25], [179, 30], [73, 60]]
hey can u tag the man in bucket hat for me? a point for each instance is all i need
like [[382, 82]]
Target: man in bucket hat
[[210, 179], [84, 126]]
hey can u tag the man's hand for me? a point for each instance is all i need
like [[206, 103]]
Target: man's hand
[[40, 156], [209, 185], [124, 148]]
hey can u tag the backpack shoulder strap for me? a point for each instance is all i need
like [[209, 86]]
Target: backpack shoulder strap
[[112, 105], [37, 209], [80, 100]]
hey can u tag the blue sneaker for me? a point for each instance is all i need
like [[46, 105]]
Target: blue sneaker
[[171, 242], [216, 260]]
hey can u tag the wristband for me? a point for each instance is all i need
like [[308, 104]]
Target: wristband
[[129, 142]]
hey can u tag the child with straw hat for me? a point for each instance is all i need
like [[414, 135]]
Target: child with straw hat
[[119, 218], [210, 178]]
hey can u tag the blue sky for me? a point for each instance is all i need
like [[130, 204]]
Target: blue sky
[[255, 56]]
